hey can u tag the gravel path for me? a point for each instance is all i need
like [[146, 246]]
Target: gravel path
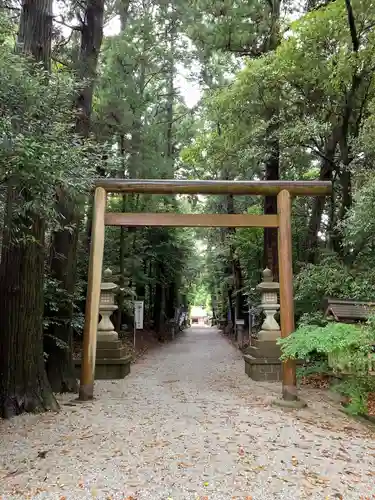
[[187, 424]]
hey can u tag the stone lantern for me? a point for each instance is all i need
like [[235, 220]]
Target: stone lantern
[[106, 330], [112, 361], [270, 329], [262, 359]]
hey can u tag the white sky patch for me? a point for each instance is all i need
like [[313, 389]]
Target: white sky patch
[[190, 91], [112, 27], [201, 246]]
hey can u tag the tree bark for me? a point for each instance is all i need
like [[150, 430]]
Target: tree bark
[[24, 386], [91, 41], [35, 30], [159, 301], [123, 11], [239, 298], [58, 342], [325, 174]]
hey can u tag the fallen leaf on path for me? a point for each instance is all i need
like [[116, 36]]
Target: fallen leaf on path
[[286, 480], [315, 478], [294, 461], [14, 472]]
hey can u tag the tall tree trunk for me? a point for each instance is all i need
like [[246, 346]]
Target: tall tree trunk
[[64, 249], [171, 37], [325, 174], [346, 202], [270, 247], [24, 385], [122, 249], [171, 300], [91, 41], [35, 30], [159, 300], [239, 298], [150, 275], [58, 342], [123, 12]]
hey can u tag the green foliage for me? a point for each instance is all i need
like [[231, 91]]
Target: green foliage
[[39, 149], [342, 349], [318, 366], [356, 390], [359, 225], [56, 298], [249, 247], [199, 295], [345, 345], [331, 277]]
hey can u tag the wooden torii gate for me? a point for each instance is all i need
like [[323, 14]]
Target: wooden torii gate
[[284, 190]]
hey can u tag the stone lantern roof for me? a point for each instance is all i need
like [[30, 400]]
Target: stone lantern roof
[[268, 285], [106, 285]]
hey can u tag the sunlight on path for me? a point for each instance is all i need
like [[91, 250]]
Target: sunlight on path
[[187, 424]]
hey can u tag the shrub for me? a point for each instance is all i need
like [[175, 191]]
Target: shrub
[[339, 348]]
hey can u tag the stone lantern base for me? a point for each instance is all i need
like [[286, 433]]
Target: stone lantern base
[[262, 359], [111, 361], [263, 369]]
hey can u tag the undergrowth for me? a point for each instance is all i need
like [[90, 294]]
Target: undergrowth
[[339, 349]]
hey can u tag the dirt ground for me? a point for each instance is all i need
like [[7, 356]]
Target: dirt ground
[[188, 423]]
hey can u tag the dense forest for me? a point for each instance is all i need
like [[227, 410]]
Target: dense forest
[[201, 89]]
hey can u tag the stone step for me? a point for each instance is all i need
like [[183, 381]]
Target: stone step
[[106, 369], [263, 369], [264, 350], [111, 353], [112, 344]]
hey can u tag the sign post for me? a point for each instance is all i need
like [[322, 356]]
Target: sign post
[[138, 316]]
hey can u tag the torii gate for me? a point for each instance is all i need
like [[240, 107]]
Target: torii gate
[[284, 190]]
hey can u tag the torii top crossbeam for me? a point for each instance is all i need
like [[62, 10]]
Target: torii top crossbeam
[[260, 188]]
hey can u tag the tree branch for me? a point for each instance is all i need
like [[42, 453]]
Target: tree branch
[[352, 26], [63, 23]]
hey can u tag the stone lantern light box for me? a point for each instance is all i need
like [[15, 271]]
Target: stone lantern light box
[[269, 289], [106, 329]]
